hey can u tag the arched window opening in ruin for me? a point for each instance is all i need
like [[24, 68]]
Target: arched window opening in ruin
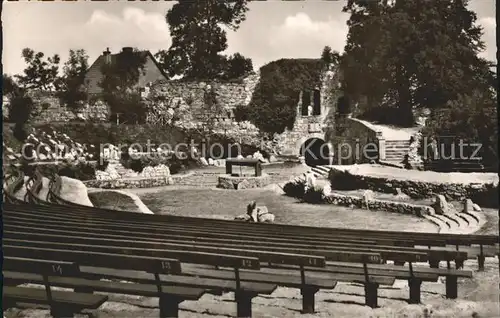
[[315, 152], [306, 102], [343, 106], [316, 102]]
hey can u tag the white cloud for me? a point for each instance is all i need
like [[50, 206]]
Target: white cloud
[[300, 34], [134, 27], [489, 25]]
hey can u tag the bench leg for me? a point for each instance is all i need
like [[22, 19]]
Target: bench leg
[[459, 263], [434, 264], [415, 285], [169, 306], [371, 295], [308, 299], [451, 287], [243, 304], [480, 261], [399, 263], [62, 311]]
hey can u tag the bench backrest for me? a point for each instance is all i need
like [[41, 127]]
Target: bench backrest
[[16, 257], [40, 266]]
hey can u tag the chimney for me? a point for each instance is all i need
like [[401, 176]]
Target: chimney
[[127, 49], [107, 55]]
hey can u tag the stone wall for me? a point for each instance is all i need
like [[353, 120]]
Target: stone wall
[[352, 135], [48, 109], [186, 101], [240, 183], [135, 183], [314, 126], [482, 193], [379, 205]]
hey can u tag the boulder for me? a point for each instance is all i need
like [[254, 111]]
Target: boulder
[[476, 207], [243, 185], [401, 196], [272, 158], [468, 206], [210, 162], [440, 205], [368, 196], [203, 161]]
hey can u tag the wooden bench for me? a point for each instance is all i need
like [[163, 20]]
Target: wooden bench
[[88, 212], [16, 183], [33, 187], [415, 279], [244, 163], [62, 304], [308, 299], [398, 254], [105, 265]]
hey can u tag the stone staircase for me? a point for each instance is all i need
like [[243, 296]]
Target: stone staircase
[[320, 172], [395, 151]]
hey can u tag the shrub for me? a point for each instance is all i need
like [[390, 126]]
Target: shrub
[[343, 180], [275, 98], [313, 195], [82, 171], [295, 189], [488, 197]]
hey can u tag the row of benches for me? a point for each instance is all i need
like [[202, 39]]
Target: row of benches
[[298, 257]]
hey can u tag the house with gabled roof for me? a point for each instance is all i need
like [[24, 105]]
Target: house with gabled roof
[[152, 71]]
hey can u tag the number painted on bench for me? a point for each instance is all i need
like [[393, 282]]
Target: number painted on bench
[[165, 265], [246, 263], [57, 269], [374, 258], [312, 262]]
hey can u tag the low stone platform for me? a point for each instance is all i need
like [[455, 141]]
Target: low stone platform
[[243, 182]]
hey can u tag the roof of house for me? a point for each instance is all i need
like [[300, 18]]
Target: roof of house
[[94, 71]]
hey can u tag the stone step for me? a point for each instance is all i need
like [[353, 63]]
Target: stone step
[[436, 221], [397, 142], [469, 219]]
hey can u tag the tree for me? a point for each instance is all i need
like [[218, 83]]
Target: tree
[[237, 66], [9, 85], [39, 74], [119, 86], [410, 54], [330, 57], [198, 37], [72, 89]]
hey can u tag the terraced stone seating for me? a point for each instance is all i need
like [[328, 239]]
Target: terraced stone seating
[[293, 256]]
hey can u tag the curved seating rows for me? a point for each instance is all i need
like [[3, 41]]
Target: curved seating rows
[[294, 256]]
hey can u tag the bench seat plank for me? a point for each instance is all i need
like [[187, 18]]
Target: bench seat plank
[[39, 296], [147, 290], [416, 269], [293, 281], [340, 277], [178, 280]]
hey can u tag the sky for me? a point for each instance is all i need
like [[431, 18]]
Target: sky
[[272, 29]]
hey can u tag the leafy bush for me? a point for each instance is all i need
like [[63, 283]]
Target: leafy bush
[[488, 197], [275, 98], [472, 119], [385, 115], [295, 189], [343, 180], [313, 195], [82, 171]]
